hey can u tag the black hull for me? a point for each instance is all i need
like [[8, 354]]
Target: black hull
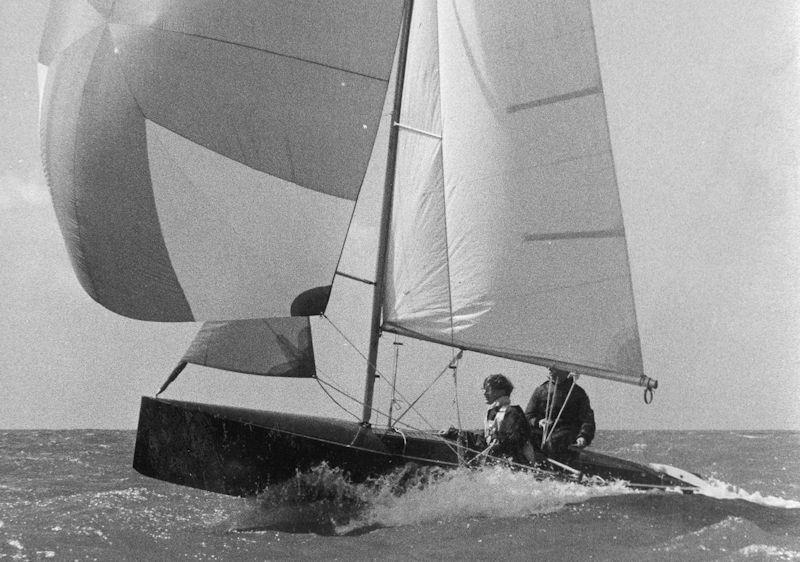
[[240, 452]]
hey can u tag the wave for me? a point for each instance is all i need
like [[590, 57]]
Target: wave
[[324, 501], [723, 491], [769, 552]]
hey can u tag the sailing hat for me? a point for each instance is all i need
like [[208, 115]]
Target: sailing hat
[[558, 371]]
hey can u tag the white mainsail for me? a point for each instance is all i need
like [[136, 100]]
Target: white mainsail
[[507, 233]]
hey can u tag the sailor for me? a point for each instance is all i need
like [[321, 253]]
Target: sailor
[[560, 411], [506, 431]]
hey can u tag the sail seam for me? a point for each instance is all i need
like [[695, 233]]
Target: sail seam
[[251, 47], [175, 289], [553, 289]]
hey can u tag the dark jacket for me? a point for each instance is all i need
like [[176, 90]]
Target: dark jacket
[[577, 419], [512, 434]]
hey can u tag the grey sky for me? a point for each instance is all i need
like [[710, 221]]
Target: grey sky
[[702, 103]]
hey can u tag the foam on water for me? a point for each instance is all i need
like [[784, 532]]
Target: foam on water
[[769, 552], [324, 501], [724, 491], [489, 492]]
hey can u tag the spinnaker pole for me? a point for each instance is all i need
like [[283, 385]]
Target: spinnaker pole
[[386, 217]]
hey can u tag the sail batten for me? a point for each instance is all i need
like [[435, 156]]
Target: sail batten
[[555, 99], [611, 233]]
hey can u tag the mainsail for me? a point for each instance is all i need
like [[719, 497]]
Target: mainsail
[[507, 232]]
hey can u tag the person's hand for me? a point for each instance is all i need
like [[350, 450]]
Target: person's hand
[[449, 433], [580, 442], [544, 423]]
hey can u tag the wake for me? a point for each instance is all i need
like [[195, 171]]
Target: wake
[[324, 501], [724, 491]]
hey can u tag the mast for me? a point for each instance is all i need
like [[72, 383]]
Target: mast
[[386, 215]]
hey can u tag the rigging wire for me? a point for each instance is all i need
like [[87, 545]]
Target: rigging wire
[[393, 398], [563, 405], [383, 378], [322, 384], [457, 448], [460, 447], [350, 343], [356, 400], [548, 411], [427, 388], [454, 369], [453, 446]]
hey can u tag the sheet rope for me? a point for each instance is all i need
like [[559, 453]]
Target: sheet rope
[[546, 435]]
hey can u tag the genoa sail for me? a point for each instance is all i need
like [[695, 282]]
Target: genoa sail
[[205, 157], [507, 234]]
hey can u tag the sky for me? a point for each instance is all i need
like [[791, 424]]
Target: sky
[[704, 121]]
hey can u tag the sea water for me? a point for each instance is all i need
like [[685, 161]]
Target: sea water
[[72, 495]]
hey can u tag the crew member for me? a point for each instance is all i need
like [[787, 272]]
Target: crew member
[[574, 424]]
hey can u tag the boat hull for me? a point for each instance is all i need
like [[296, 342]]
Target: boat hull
[[238, 451]]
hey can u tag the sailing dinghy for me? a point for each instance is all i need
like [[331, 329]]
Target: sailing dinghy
[[205, 160]]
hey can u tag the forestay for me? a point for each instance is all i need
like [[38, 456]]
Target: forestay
[[507, 234], [205, 156]]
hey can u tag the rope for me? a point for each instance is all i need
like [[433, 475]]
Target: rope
[[454, 368], [427, 388], [321, 383], [392, 400], [563, 405], [548, 411], [381, 376], [458, 447], [364, 357], [403, 435], [481, 456], [410, 406]]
